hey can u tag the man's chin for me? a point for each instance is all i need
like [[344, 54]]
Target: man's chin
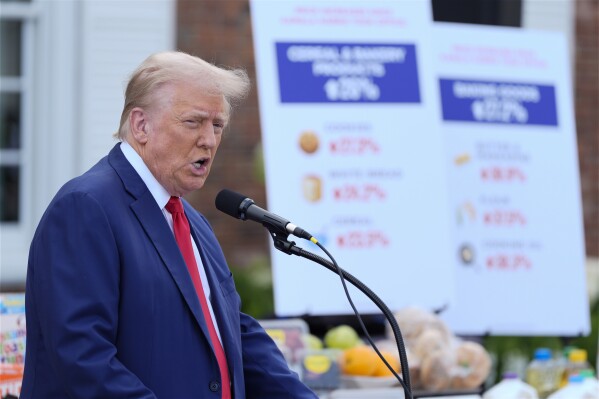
[[194, 187]]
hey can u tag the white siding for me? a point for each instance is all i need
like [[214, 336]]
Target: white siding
[[116, 36]]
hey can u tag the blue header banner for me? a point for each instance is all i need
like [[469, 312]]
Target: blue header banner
[[498, 102], [347, 73]]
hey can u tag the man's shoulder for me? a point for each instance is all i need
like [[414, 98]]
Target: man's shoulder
[[99, 181], [94, 178]]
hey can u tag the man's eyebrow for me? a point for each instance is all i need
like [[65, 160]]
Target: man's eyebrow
[[197, 114]]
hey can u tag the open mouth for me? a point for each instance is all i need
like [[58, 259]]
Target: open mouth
[[200, 162]]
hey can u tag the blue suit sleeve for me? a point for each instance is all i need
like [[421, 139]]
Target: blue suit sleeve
[[265, 369], [75, 294]]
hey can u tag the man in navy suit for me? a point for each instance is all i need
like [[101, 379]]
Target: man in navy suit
[[112, 310]]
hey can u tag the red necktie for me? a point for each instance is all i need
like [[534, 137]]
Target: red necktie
[[183, 237]]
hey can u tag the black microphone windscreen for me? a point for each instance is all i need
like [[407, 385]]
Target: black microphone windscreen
[[228, 201]]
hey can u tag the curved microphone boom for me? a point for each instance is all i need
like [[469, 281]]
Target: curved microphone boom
[[241, 207]]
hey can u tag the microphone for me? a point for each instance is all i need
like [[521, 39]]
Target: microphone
[[244, 208]]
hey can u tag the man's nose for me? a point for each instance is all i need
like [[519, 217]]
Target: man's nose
[[207, 137]]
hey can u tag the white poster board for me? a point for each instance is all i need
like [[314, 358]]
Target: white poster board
[[436, 162], [352, 152], [512, 166]]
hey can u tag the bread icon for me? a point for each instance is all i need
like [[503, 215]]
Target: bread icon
[[312, 188], [462, 159], [308, 141]]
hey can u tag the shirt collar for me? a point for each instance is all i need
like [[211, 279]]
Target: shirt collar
[[161, 196]]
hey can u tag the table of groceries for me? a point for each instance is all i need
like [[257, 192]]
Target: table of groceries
[[341, 365]]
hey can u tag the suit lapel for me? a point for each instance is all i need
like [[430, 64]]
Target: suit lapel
[[157, 229], [152, 220]]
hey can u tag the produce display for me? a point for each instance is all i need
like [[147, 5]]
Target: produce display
[[437, 358], [360, 366]]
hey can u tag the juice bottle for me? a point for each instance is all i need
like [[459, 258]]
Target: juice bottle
[[543, 373]]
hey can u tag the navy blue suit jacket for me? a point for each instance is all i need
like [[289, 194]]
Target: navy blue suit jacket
[[111, 309]]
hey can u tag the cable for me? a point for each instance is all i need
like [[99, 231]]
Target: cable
[[289, 248], [364, 329]]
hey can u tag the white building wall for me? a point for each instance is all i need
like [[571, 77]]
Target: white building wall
[[554, 15]]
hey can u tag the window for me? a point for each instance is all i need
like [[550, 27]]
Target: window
[[486, 12], [10, 112], [16, 52], [12, 108]]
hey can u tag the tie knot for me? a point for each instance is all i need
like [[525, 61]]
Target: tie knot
[[174, 205]]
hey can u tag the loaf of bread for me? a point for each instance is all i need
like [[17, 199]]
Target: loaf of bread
[[435, 371], [438, 359], [473, 364], [413, 321]]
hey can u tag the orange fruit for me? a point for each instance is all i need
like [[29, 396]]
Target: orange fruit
[[381, 369], [359, 360]]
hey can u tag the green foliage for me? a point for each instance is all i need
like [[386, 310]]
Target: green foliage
[[258, 164], [590, 342], [254, 285]]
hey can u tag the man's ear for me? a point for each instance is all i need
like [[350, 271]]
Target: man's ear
[[138, 123]]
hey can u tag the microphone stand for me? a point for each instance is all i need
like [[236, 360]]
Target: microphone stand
[[282, 243]]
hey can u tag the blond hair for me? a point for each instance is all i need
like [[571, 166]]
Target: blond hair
[[179, 67]]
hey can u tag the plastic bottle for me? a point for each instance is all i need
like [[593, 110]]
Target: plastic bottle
[[543, 373], [511, 387], [574, 390], [577, 361]]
